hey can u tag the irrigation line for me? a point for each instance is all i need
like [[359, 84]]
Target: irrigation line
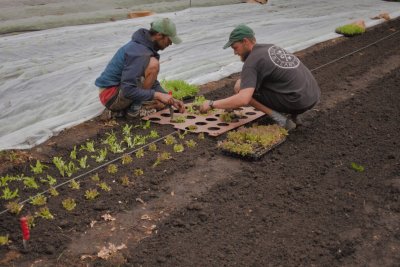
[[161, 138], [95, 169], [358, 50]]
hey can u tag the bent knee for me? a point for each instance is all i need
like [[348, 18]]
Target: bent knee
[[236, 88]]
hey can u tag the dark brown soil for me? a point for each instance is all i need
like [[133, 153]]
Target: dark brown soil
[[302, 204]]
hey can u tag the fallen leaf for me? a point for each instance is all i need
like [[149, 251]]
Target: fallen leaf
[[92, 223], [106, 253], [145, 217], [108, 217]]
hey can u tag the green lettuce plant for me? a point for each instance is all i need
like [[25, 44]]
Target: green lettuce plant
[[38, 168], [104, 186], [91, 194], [69, 204], [180, 89], [44, 213], [140, 153], [89, 146], [350, 30], [9, 194], [38, 200], [101, 156], [14, 207], [112, 169], [83, 162], [74, 184], [30, 182]]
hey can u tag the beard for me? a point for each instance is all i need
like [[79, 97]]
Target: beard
[[157, 47], [244, 56]]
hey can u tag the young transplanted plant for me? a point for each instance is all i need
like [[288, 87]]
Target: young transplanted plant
[[45, 213], [4, 240], [38, 200], [91, 194], [104, 186], [38, 168], [69, 204], [9, 194], [14, 207]]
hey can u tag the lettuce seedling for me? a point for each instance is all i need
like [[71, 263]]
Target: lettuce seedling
[[126, 130], [91, 194], [128, 141], [83, 162], [178, 148], [30, 182], [170, 140], [95, 177], [38, 200], [14, 207], [53, 192], [69, 204], [191, 143], [101, 156], [104, 186], [179, 119], [182, 135], [112, 169], [125, 180], [9, 194], [60, 165], [153, 134], [126, 159], [70, 169], [72, 155], [5, 179], [89, 146], [140, 153], [139, 140], [161, 157], [50, 180], [38, 168], [357, 167], [138, 172], [44, 213], [201, 136], [74, 184], [153, 147], [4, 240]]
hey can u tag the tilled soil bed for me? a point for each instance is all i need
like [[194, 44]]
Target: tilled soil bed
[[304, 203]]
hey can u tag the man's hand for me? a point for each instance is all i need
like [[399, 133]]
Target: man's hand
[[165, 98], [205, 107], [179, 105]]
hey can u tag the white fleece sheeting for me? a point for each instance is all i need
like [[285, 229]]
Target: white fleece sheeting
[[47, 77]]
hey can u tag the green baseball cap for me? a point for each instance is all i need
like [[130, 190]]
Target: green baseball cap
[[238, 34], [167, 27]]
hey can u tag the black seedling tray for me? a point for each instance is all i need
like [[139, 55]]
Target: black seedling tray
[[257, 155]]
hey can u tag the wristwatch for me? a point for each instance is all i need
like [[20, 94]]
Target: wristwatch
[[211, 104]]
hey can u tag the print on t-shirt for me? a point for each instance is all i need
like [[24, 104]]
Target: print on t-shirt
[[283, 59]]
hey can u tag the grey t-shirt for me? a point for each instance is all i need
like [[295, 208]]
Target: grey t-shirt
[[271, 68]]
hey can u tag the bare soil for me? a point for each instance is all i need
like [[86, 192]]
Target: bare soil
[[302, 204]]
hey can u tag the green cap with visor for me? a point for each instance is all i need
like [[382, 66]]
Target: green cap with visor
[[238, 34], [166, 27]]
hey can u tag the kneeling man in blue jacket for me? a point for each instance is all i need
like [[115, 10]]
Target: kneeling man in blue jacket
[[129, 81]]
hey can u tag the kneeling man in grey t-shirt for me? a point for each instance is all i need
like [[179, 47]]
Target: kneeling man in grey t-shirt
[[272, 80]]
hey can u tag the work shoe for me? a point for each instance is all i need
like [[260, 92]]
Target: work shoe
[[136, 111], [289, 125], [296, 119]]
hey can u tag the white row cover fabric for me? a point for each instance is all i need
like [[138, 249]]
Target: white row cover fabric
[[47, 77]]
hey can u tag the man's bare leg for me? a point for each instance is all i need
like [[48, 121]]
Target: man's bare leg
[[150, 76]]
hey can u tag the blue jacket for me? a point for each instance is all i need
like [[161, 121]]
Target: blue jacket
[[128, 65]]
